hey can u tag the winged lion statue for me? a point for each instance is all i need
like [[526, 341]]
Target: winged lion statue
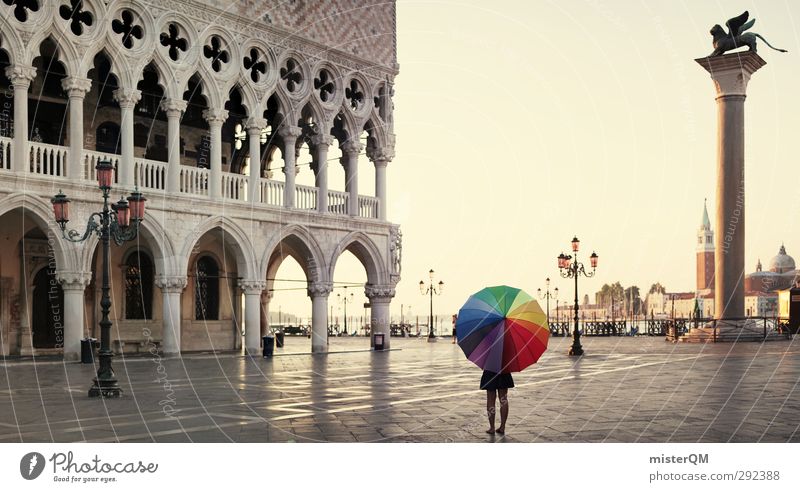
[[736, 37]]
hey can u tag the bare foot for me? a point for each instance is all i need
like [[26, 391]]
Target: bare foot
[[501, 430], [490, 431]]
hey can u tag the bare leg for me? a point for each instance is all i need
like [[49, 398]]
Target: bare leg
[[491, 395], [503, 410]]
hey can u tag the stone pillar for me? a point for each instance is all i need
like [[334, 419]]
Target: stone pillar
[[215, 119], [350, 151], [171, 289], [174, 109], [730, 74], [76, 88], [319, 292], [252, 314], [380, 299], [21, 77], [127, 99], [381, 158], [254, 128], [74, 285], [321, 145], [266, 296], [289, 135]]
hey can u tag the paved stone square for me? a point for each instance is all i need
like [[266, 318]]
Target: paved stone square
[[624, 390]]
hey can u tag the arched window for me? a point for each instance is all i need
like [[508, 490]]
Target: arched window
[[138, 286], [108, 138], [206, 289]]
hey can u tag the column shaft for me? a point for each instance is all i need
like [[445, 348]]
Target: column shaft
[[215, 119], [174, 110], [21, 77], [289, 135], [171, 337], [379, 318], [76, 89], [319, 323], [350, 157], [321, 145], [127, 99], [252, 321], [254, 127], [380, 188]]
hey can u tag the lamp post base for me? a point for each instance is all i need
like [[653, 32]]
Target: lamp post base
[[576, 350], [431, 339], [105, 388]]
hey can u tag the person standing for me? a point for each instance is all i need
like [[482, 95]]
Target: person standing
[[496, 384]]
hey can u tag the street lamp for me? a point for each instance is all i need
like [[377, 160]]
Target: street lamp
[[344, 300], [569, 267], [548, 295], [431, 289], [114, 222]]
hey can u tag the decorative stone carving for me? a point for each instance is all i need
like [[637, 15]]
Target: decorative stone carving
[[76, 86], [256, 124], [322, 139], [290, 133], [215, 116], [252, 286], [173, 107], [20, 75], [351, 147], [319, 289], [127, 98], [379, 291], [396, 249], [74, 280], [171, 284], [381, 156]]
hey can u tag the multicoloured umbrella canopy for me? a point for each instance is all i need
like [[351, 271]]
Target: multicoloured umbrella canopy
[[502, 329]]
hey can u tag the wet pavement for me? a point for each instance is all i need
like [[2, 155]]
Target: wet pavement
[[623, 390]]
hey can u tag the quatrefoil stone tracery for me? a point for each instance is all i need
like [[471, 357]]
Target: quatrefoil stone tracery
[[324, 85], [21, 8], [174, 42], [77, 16], [291, 74], [217, 53], [255, 65], [128, 28], [355, 95]]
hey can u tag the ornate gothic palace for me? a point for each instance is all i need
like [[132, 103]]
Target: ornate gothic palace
[[217, 111]]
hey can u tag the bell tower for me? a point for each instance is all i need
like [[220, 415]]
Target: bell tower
[[705, 255]]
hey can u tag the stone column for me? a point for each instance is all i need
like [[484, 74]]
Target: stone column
[[21, 77], [350, 151], [171, 289], [174, 109], [215, 119], [127, 99], [289, 135], [319, 292], [381, 158], [74, 285], [730, 74], [321, 145], [252, 314], [254, 128], [380, 300], [266, 296], [76, 88]]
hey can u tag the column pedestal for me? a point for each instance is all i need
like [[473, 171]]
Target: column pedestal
[[171, 289], [730, 74]]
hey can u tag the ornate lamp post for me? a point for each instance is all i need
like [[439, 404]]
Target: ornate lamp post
[[344, 300], [431, 290], [548, 295], [569, 267], [114, 222]]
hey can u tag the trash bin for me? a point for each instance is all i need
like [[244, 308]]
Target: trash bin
[[377, 341], [279, 339], [87, 350], [268, 342]]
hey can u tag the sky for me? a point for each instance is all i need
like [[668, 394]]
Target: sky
[[523, 123]]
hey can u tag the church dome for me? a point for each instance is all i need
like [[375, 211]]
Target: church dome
[[781, 263]]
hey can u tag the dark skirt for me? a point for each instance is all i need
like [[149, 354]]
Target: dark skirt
[[493, 381]]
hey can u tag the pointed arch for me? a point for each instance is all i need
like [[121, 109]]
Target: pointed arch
[[11, 42], [65, 50], [367, 252], [297, 240], [233, 236]]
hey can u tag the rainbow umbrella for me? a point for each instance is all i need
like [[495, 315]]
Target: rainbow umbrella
[[502, 329]]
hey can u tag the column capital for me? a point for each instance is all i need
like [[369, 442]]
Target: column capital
[[322, 139], [319, 289], [127, 98], [215, 116], [379, 292], [351, 147], [21, 75], [172, 284], [381, 156], [253, 286], [732, 72], [76, 86], [290, 132], [256, 124], [74, 280], [173, 107]]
